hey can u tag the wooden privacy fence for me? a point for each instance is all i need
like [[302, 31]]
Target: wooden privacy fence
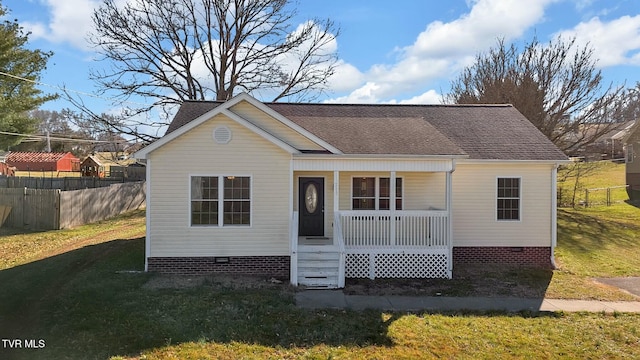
[[39, 209]]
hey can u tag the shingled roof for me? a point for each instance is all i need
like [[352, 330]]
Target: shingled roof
[[498, 132], [35, 157]]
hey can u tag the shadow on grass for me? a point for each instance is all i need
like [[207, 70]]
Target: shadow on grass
[[92, 303], [584, 232]]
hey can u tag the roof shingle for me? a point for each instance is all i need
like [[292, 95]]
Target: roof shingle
[[497, 132]]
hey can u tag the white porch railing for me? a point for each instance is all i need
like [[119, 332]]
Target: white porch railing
[[405, 229]]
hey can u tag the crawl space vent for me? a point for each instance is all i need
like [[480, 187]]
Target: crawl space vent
[[222, 135]]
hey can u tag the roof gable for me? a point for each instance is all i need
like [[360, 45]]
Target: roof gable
[[205, 111]]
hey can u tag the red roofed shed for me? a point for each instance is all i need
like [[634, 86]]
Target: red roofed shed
[[41, 161]]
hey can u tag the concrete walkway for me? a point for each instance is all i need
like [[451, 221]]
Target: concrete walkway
[[336, 299]]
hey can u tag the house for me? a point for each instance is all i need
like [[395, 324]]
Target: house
[[632, 161], [43, 161], [5, 170], [112, 165], [320, 192]]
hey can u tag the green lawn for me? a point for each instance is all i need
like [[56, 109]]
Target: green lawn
[[82, 292]]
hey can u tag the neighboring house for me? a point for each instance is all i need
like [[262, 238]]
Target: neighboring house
[[43, 161], [112, 165], [608, 146], [632, 169], [320, 192], [5, 170]]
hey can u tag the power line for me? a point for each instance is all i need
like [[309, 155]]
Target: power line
[[69, 90], [32, 137]]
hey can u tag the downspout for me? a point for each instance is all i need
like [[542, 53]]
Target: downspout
[[554, 213], [147, 240]]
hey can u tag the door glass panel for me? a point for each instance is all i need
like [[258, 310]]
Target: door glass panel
[[311, 198]]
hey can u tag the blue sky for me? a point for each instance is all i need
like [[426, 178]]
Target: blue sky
[[402, 51]]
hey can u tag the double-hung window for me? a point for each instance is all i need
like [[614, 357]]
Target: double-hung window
[[220, 200], [508, 199], [371, 193]]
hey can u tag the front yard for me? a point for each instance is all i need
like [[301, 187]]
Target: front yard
[[81, 294]]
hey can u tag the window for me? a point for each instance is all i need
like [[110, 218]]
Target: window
[[629, 153], [220, 200], [508, 206], [370, 193]]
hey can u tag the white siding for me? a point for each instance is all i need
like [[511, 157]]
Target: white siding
[[195, 153], [274, 127], [474, 205]]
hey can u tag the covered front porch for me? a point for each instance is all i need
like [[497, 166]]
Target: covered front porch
[[348, 221]]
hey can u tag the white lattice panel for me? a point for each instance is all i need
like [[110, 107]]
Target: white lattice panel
[[410, 266], [357, 266]]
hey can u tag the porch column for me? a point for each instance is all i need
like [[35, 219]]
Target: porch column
[[392, 208], [336, 190], [450, 219]]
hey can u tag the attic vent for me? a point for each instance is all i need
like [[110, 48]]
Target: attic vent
[[222, 135]]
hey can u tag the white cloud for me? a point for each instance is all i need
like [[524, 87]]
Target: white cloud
[[69, 22], [616, 42], [429, 97], [443, 48]]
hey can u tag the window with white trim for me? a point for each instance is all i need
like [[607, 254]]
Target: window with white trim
[[371, 193], [220, 200], [508, 199]]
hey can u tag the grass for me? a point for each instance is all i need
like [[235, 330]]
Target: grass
[[593, 175], [82, 292], [86, 303]]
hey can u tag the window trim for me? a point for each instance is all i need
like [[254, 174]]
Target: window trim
[[495, 199], [377, 192], [221, 200], [629, 155]]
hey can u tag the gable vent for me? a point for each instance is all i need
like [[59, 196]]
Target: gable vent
[[222, 135]]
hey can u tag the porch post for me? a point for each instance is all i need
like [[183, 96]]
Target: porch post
[[392, 208], [449, 218], [336, 199]]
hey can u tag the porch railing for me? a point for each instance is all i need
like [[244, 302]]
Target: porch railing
[[404, 229]]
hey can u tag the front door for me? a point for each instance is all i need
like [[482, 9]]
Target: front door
[[311, 206]]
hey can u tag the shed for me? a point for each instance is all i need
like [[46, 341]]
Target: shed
[[43, 161]]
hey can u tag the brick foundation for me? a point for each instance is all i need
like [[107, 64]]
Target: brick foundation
[[517, 256], [275, 266]]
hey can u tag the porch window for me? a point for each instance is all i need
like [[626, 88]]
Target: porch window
[[508, 206], [371, 193], [385, 193], [220, 200]]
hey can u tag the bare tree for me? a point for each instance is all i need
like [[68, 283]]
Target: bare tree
[[556, 86], [169, 51]]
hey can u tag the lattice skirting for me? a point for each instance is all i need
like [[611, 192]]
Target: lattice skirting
[[420, 265]]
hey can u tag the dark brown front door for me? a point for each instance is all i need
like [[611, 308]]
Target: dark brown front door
[[311, 206]]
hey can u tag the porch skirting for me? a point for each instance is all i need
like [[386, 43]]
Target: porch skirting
[[503, 255], [275, 266]]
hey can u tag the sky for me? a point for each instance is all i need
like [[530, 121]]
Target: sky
[[402, 51]]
